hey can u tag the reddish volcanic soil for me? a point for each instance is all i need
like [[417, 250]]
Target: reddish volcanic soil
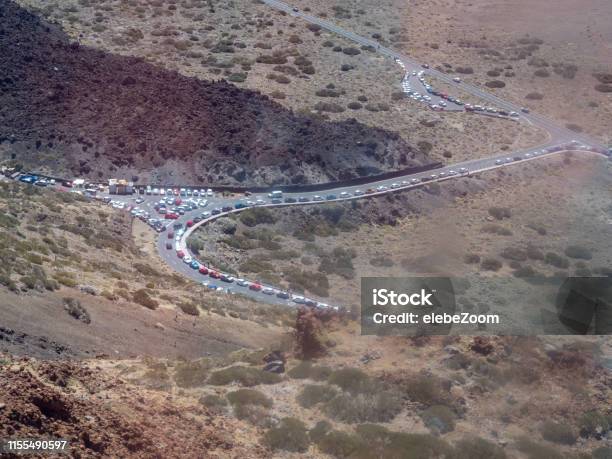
[[80, 111]]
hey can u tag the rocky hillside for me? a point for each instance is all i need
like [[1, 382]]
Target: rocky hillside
[[75, 110]]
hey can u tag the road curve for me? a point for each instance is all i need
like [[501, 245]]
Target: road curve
[[403, 183]]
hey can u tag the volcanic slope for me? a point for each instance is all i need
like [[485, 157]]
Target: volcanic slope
[[70, 109]]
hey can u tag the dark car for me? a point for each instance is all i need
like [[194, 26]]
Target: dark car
[[170, 235], [290, 200], [168, 245], [240, 205], [283, 295], [215, 211], [177, 226], [304, 199], [197, 219], [226, 208], [330, 197]]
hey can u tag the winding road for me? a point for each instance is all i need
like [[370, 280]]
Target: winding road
[[561, 140]]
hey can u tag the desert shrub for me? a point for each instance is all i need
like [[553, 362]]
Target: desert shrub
[[574, 127], [542, 73], [256, 216], [249, 397], [76, 310], [278, 95], [514, 253], [464, 70], [146, 270], [495, 84], [313, 27], [340, 444], [492, 228], [354, 105], [245, 376], [593, 423], [477, 448], [350, 51], [328, 107], [499, 213], [427, 390], [326, 92], [191, 374], [320, 429], [578, 251], [556, 260], [142, 297], [213, 401], [189, 308], [534, 96], [237, 77], [316, 393], [271, 60], [374, 406], [534, 450], [439, 419], [351, 380], [603, 452], [290, 435], [254, 414], [558, 433], [305, 369], [605, 88], [471, 258], [381, 261], [382, 443], [491, 264]]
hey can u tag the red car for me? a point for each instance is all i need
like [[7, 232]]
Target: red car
[[171, 216], [180, 254], [256, 287], [178, 201], [214, 274], [170, 235], [203, 270], [190, 223]]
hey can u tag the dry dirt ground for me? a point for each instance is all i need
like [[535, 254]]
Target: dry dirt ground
[[554, 58], [213, 40]]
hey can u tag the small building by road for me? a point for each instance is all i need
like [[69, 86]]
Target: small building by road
[[120, 186]]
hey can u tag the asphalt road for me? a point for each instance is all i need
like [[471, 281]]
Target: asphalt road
[[375, 188], [560, 140]]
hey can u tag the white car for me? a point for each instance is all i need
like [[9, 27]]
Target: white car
[[298, 299], [451, 172], [317, 198], [358, 192], [209, 192], [414, 181], [463, 170], [268, 291], [187, 259], [457, 80], [381, 188], [242, 283], [527, 155], [395, 185], [345, 194], [498, 161]]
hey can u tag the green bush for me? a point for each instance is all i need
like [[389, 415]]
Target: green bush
[[245, 376], [316, 393], [341, 444], [558, 433], [256, 216], [213, 401], [192, 374], [320, 429], [535, 450], [500, 213], [477, 448], [593, 423], [491, 264], [382, 443], [376, 406], [558, 261], [577, 251], [249, 397], [428, 390], [439, 419], [290, 435], [189, 308], [305, 369], [351, 380]]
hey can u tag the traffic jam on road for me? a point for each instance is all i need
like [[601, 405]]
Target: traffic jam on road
[[416, 87]]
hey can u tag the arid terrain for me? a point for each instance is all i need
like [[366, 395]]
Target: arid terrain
[[104, 345]]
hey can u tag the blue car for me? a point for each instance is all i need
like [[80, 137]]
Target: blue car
[[194, 265], [240, 205], [330, 197]]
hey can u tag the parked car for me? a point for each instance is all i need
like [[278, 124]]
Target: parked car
[[189, 223], [203, 270], [255, 287], [180, 254], [283, 295], [168, 245]]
